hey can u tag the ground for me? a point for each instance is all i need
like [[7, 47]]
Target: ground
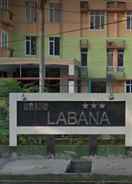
[[29, 165]]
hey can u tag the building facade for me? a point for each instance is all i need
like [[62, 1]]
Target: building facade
[[88, 44]]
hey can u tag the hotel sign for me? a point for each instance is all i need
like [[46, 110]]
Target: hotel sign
[[71, 113]]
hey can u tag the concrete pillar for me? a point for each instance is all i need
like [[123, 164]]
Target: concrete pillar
[[12, 122], [71, 86], [71, 83], [116, 24]]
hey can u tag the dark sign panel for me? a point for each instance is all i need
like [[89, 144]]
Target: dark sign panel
[[71, 113]]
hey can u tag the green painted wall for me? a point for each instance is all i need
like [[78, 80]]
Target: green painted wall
[[96, 62], [70, 49], [18, 44], [128, 58], [97, 58]]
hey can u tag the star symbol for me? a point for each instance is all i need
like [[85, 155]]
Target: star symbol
[[93, 105], [102, 106], [85, 106]]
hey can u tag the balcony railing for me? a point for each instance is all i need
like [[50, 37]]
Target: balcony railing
[[117, 73], [84, 72]]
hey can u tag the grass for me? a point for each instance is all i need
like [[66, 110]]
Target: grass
[[4, 132]]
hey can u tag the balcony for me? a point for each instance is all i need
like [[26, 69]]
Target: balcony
[[84, 6], [116, 6], [116, 73], [84, 72], [6, 17]]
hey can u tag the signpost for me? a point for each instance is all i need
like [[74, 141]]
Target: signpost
[[70, 114]]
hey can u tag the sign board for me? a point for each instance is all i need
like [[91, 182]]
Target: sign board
[[70, 114]]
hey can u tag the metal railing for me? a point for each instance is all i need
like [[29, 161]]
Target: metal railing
[[115, 68]]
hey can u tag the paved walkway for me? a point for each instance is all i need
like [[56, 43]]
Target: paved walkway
[[112, 166], [3, 162], [39, 165], [34, 166]]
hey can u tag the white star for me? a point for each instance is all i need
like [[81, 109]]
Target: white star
[[85, 106], [93, 106], [102, 106]]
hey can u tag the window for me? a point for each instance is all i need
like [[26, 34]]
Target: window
[[84, 6], [129, 21], [98, 87], [84, 56], [109, 57], [31, 45], [54, 46], [3, 4], [55, 12], [97, 19], [4, 39], [129, 86], [120, 57], [31, 11]]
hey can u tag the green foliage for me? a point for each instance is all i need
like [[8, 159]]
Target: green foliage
[[4, 139], [9, 86], [6, 87]]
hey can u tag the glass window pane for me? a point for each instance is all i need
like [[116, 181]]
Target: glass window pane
[[102, 22], [128, 82], [127, 89], [131, 88], [83, 59], [55, 12], [31, 11], [4, 39], [34, 46], [92, 22], [51, 48], [57, 46], [27, 47], [97, 22], [128, 22], [110, 57], [120, 57]]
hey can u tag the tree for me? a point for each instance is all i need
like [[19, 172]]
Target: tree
[[9, 86], [6, 87]]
